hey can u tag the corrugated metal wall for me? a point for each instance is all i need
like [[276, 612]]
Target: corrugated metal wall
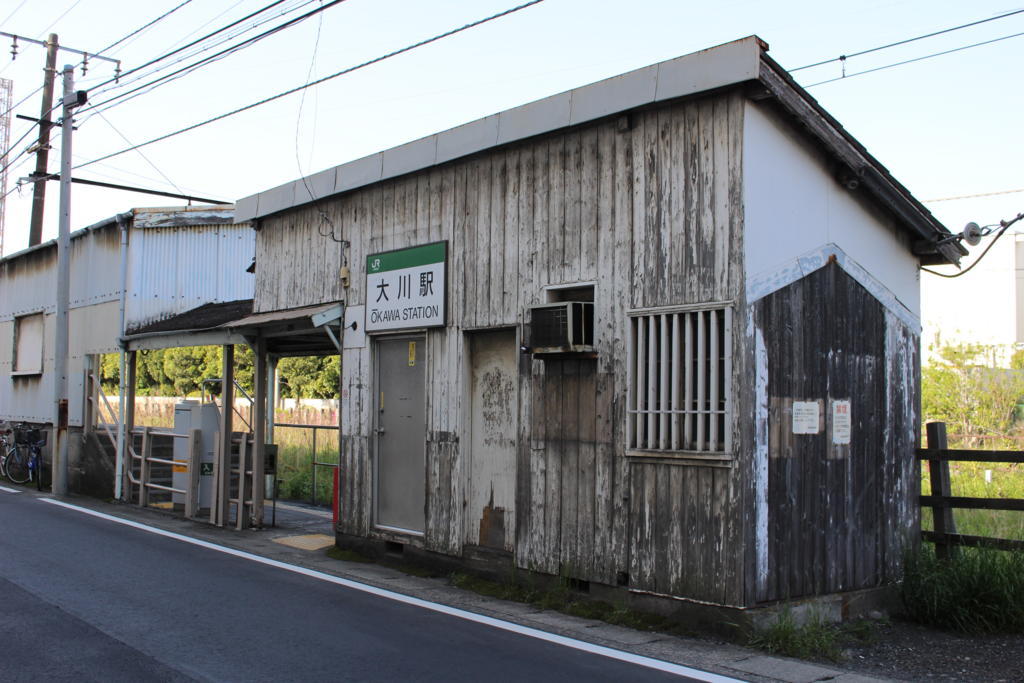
[[171, 270], [28, 285], [175, 269]]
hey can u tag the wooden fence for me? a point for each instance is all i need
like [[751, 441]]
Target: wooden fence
[[942, 502]]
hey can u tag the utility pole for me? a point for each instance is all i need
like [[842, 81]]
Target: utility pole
[[70, 101], [35, 232], [42, 146]]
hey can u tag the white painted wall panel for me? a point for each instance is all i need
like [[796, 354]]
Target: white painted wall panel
[[793, 206]]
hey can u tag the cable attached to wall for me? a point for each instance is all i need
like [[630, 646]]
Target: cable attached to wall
[[1003, 227]]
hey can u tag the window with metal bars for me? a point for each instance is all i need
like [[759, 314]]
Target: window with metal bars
[[680, 384]]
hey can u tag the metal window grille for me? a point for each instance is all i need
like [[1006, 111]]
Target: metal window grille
[[680, 381]]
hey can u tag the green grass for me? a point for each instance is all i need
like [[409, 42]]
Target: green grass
[[336, 553], [975, 591], [968, 479], [295, 472], [813, 639], [562, 599]]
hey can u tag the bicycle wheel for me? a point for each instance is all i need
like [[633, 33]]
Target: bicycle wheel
[[17, 465]]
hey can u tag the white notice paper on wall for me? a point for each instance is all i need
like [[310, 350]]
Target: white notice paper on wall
[[806, 415], [840, 422]]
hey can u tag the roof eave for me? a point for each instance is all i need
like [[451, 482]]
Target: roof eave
[[930, 239]]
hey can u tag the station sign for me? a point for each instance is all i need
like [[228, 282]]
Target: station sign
[[405, 288]]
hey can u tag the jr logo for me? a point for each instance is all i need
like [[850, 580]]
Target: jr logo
[[375, 264]]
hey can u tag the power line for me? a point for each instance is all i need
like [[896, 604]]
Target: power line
[[185, 71], [13, 12], [245, 43], [843, 58], [915, 59], [139, 151], [194, 42], [318, 81], [13, 146], [324, 218], [54, 23], [145, 26], [132, 188], [974, 196]]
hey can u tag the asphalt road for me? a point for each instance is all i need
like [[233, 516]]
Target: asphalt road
[[87, 599]]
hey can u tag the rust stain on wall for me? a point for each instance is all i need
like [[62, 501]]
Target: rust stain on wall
[[492, 525]]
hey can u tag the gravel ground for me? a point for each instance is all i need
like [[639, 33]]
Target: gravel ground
[[909, 652]]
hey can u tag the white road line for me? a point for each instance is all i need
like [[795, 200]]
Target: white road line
[[7, 490], [611, 653]]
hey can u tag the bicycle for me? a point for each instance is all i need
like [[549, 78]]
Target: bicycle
[[6, 449], [21, 460]]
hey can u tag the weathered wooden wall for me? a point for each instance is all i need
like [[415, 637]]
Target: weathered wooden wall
[[298, 261], [651, 213], [837, 515]]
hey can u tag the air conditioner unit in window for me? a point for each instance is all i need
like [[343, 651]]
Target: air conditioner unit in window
[[563, 327]]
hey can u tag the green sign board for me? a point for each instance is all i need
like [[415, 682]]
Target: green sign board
[[405, 288]]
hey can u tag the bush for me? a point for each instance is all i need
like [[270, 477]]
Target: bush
[[813, 640], [975, 591]]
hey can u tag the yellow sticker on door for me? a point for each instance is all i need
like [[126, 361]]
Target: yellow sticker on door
[[412, 354]]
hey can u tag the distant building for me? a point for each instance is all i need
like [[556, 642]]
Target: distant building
[[128, 272], [984, 306]]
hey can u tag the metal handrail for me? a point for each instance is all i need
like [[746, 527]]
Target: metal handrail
[[245, 394]]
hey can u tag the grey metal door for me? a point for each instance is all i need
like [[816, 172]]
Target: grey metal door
[[401, 433]]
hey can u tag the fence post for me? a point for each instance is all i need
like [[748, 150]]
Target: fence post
[[215, 487], [147, 452], [313, 467], [241, 521], [938, 470], [192, 487]]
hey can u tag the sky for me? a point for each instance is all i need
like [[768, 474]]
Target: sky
[[946, 127]]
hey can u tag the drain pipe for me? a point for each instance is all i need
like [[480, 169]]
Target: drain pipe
[[123, 220]]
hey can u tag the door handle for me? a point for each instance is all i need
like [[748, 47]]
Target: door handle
[[380, 432]]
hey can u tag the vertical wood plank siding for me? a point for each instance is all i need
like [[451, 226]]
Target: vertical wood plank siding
[[836, 513], [650, 214]]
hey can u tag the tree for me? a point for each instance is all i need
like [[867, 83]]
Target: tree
[[310, 376], [978, 402]]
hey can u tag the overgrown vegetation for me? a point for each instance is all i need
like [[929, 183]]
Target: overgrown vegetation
[[964, 387], [975, 591], [813, 639], [562, 599], [981, 404], [295, 462]]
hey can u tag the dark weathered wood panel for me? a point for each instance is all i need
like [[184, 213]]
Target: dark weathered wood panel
[[837, 513]]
